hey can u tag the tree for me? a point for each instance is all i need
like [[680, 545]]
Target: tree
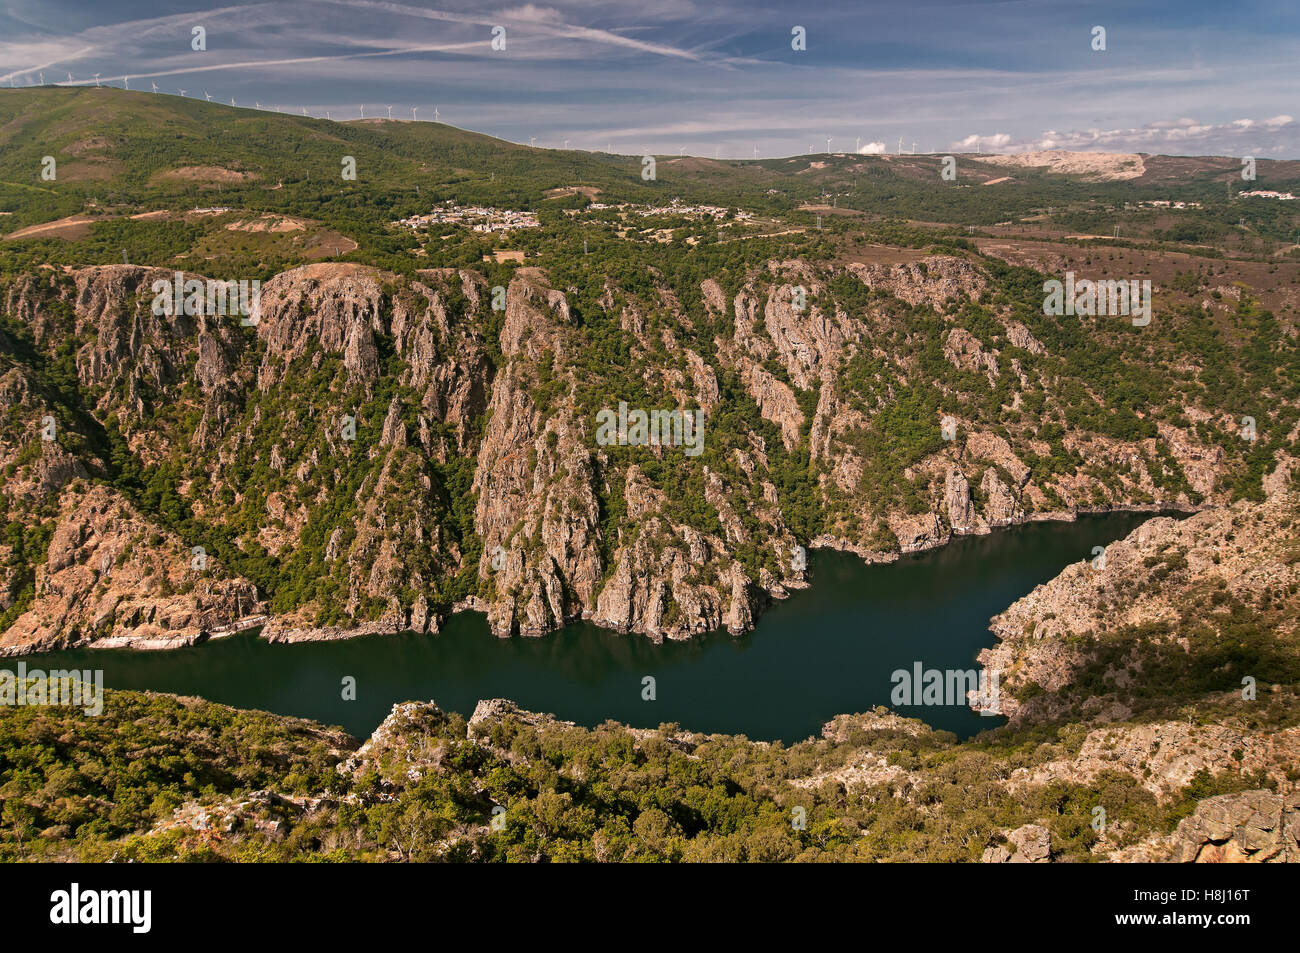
[[20, 818]]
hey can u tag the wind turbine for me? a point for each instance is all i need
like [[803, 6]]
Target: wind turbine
[[328, 116], [232, 100], [755, 152], [69, 77], [566, 143], [900, 145], [154, 85], [97, 81], [304, 110], [531, 139], [363, 111], [256, 104], [42, 79], [857, 145], [390, 112], [207, 98], [913, 147], [413, 109], [126, 82], [182, 92], [828, 145]]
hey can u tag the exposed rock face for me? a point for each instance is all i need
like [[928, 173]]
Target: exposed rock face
[[1030, 844], [956, 496], [807, 342], [56, 468], [776, 402], [964, 351], [131, 347], [916, 533], [705, 380], [1249, 827], [672, 568], [411, 450], [1201, 464], [933, 280], [537, 512], [1254, 827], [333, 307], [1146, 579], [260, 812], [1166, 755], [491, 711], [981, 445], [1001, 508], [1020, 336], [111, 578]]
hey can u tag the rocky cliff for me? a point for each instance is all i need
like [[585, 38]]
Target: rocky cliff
[[378, 449], [1178, 607]]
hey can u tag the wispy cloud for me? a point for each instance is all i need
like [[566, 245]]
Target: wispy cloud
[[720, 76], [1182, 134]]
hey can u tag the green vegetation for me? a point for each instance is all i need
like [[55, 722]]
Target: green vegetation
[[109, 788], [826, 422]]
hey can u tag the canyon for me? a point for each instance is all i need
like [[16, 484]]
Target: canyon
[[247, 427]]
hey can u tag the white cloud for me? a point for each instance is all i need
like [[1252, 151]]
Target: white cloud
[[998, 140], [1163, 135], [529, 12], [872, 149]]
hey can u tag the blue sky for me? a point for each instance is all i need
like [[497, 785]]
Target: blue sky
[[715, 77]]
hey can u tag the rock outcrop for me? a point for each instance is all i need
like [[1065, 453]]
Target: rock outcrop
[[1254, 827], [1030, 844], [1244, 828], [113, 579], [1145, 582], [380, 449]]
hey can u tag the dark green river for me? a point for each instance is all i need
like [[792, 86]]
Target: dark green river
[[826, 650]]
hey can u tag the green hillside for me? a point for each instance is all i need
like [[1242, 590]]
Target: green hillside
[[120, 153]]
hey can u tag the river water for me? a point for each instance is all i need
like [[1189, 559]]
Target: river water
[[827, 650]]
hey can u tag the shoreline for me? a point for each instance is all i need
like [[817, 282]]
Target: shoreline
[[294, 636]]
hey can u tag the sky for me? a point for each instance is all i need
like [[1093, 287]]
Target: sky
[[714, 77]]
